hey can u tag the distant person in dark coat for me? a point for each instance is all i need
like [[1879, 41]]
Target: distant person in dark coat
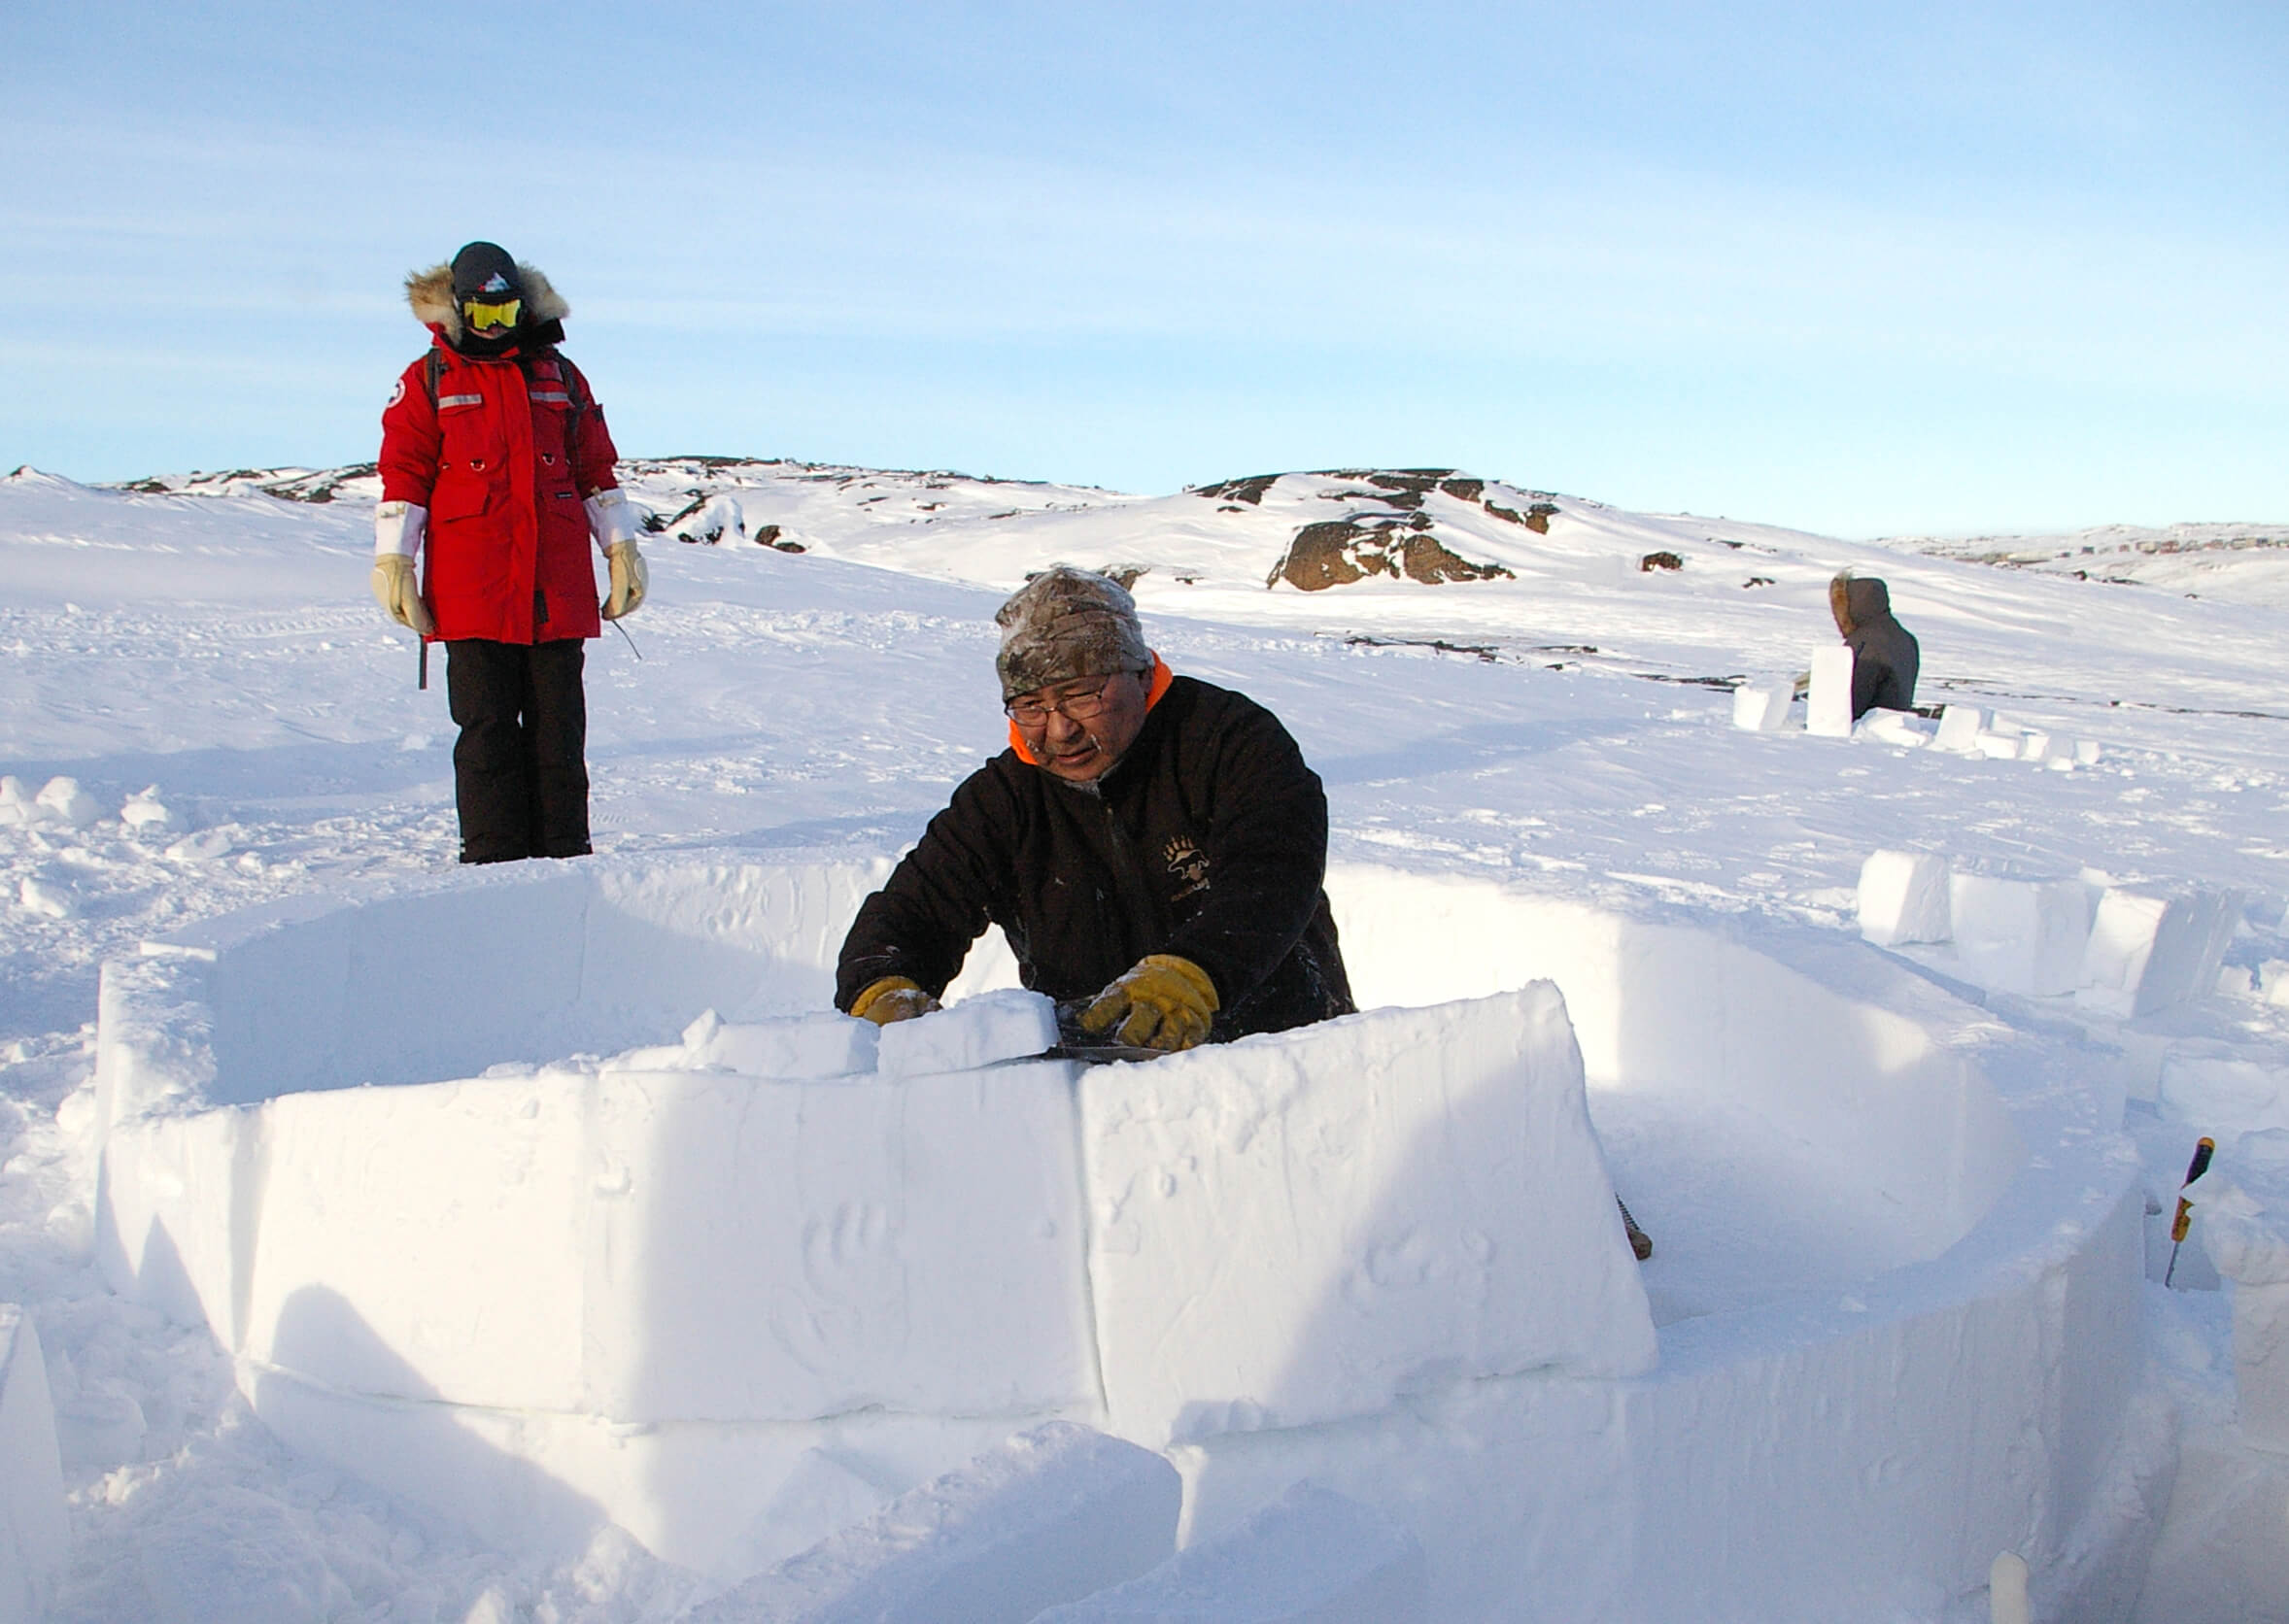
[[1884, 652], [1153, 846]]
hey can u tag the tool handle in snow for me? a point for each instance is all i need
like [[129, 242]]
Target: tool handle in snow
[[2194, 1170], [424, 648]]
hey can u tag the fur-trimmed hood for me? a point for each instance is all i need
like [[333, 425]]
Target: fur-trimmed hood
[[429, 293], [1857, 601]]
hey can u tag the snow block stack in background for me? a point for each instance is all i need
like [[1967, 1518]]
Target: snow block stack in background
[[1903, 897], [1763, 707], [2020, 935], [1057, 1512], [1829, 704], [33, 1535], [1311, 1557], [1297, 1230], [2148, 950], [990, 1026]]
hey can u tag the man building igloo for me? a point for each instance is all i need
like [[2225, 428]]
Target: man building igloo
[[1153, 846]]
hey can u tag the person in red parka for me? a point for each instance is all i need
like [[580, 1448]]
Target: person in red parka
[[496, 458]]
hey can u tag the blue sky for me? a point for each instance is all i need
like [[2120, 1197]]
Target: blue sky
[[1865, 269]]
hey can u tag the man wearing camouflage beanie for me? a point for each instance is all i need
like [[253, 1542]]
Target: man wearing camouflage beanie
[[1153, 846]]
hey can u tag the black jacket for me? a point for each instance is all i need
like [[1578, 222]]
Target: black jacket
[[1207, 840], [1884, 652]]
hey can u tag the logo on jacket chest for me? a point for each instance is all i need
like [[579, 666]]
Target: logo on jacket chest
[[1188, 866]]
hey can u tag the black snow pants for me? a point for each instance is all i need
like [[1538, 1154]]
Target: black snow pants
[[520, 775]]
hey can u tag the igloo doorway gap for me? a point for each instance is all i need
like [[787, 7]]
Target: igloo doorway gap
[[1992, 1213]]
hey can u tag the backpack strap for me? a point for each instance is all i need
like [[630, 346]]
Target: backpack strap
[[576, 393]]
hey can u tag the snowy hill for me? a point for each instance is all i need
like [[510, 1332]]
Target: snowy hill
[[1489, 679]]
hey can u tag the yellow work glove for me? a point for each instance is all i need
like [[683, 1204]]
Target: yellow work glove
[[1163, 1003], [399, 595], [892, 999], [629, 580]]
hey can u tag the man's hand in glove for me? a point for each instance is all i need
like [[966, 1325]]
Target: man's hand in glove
[[629, 580], [1163, 1003], [399, 595], [892, 999]]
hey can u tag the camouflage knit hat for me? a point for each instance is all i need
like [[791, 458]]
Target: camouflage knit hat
[[1067, 623]]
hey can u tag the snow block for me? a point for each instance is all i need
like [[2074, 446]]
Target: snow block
[[61, 800], [2213, 1092], [1998, 746], [790, 1047], [1828, 706], [1902, 730], [1007, 1025], [1763, 707], [1959, 727], [644, 1246], [1298, 1227], [34, 1540], [2245, 1230], [1311, 1557], [2020, 935], [1903, 897], [2149, 950], [1055, 1513]]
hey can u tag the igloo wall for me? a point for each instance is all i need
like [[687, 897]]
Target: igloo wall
[[252, 1182]]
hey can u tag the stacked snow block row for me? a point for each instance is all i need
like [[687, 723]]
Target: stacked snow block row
[[32, 1530], [1063, 1524], [2121, 951], [1970, 730], [697, 1287]]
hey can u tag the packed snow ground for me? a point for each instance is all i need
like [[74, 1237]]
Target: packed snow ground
[[215, 648]]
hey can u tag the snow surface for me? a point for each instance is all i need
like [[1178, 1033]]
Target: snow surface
[[1567, 729]]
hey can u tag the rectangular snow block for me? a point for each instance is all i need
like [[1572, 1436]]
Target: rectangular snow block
[[644, 1246], [2246, 1233], [788, 1251], [1999, 747], [1829, 705], [34, 1538], [1959, 727], [474, 1295], [1903, 897], [1298, 1227], [2149, 950], [1057, 1512], [1763, 707], [2020, 935], [989, 1027], [788, 1047], [1310, 1557], [1902, 729]]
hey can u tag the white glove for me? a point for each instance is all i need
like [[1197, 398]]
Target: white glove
[[399, 527]]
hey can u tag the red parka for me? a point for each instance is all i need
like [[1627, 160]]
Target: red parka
[[503, 460]]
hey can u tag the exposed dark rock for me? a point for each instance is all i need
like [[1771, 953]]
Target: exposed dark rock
[[1126, 574], [1249, 490], [1536, 517], [1337, 551], [1425, 559], [1758, 581], [1464, 489], [1660, 560]]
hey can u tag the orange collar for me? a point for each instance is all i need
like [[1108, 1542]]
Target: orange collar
[[1162, 676]]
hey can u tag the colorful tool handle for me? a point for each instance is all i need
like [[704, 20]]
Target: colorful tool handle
[[2203, 1149]]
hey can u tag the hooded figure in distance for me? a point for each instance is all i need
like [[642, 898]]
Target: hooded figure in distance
[[496, 462], [1151, 846], [1884, 652]]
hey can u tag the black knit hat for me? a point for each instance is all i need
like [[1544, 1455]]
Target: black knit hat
[[485, 271]]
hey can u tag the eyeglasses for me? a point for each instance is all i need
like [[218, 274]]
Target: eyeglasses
[[1081, 705], [493, 318]]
